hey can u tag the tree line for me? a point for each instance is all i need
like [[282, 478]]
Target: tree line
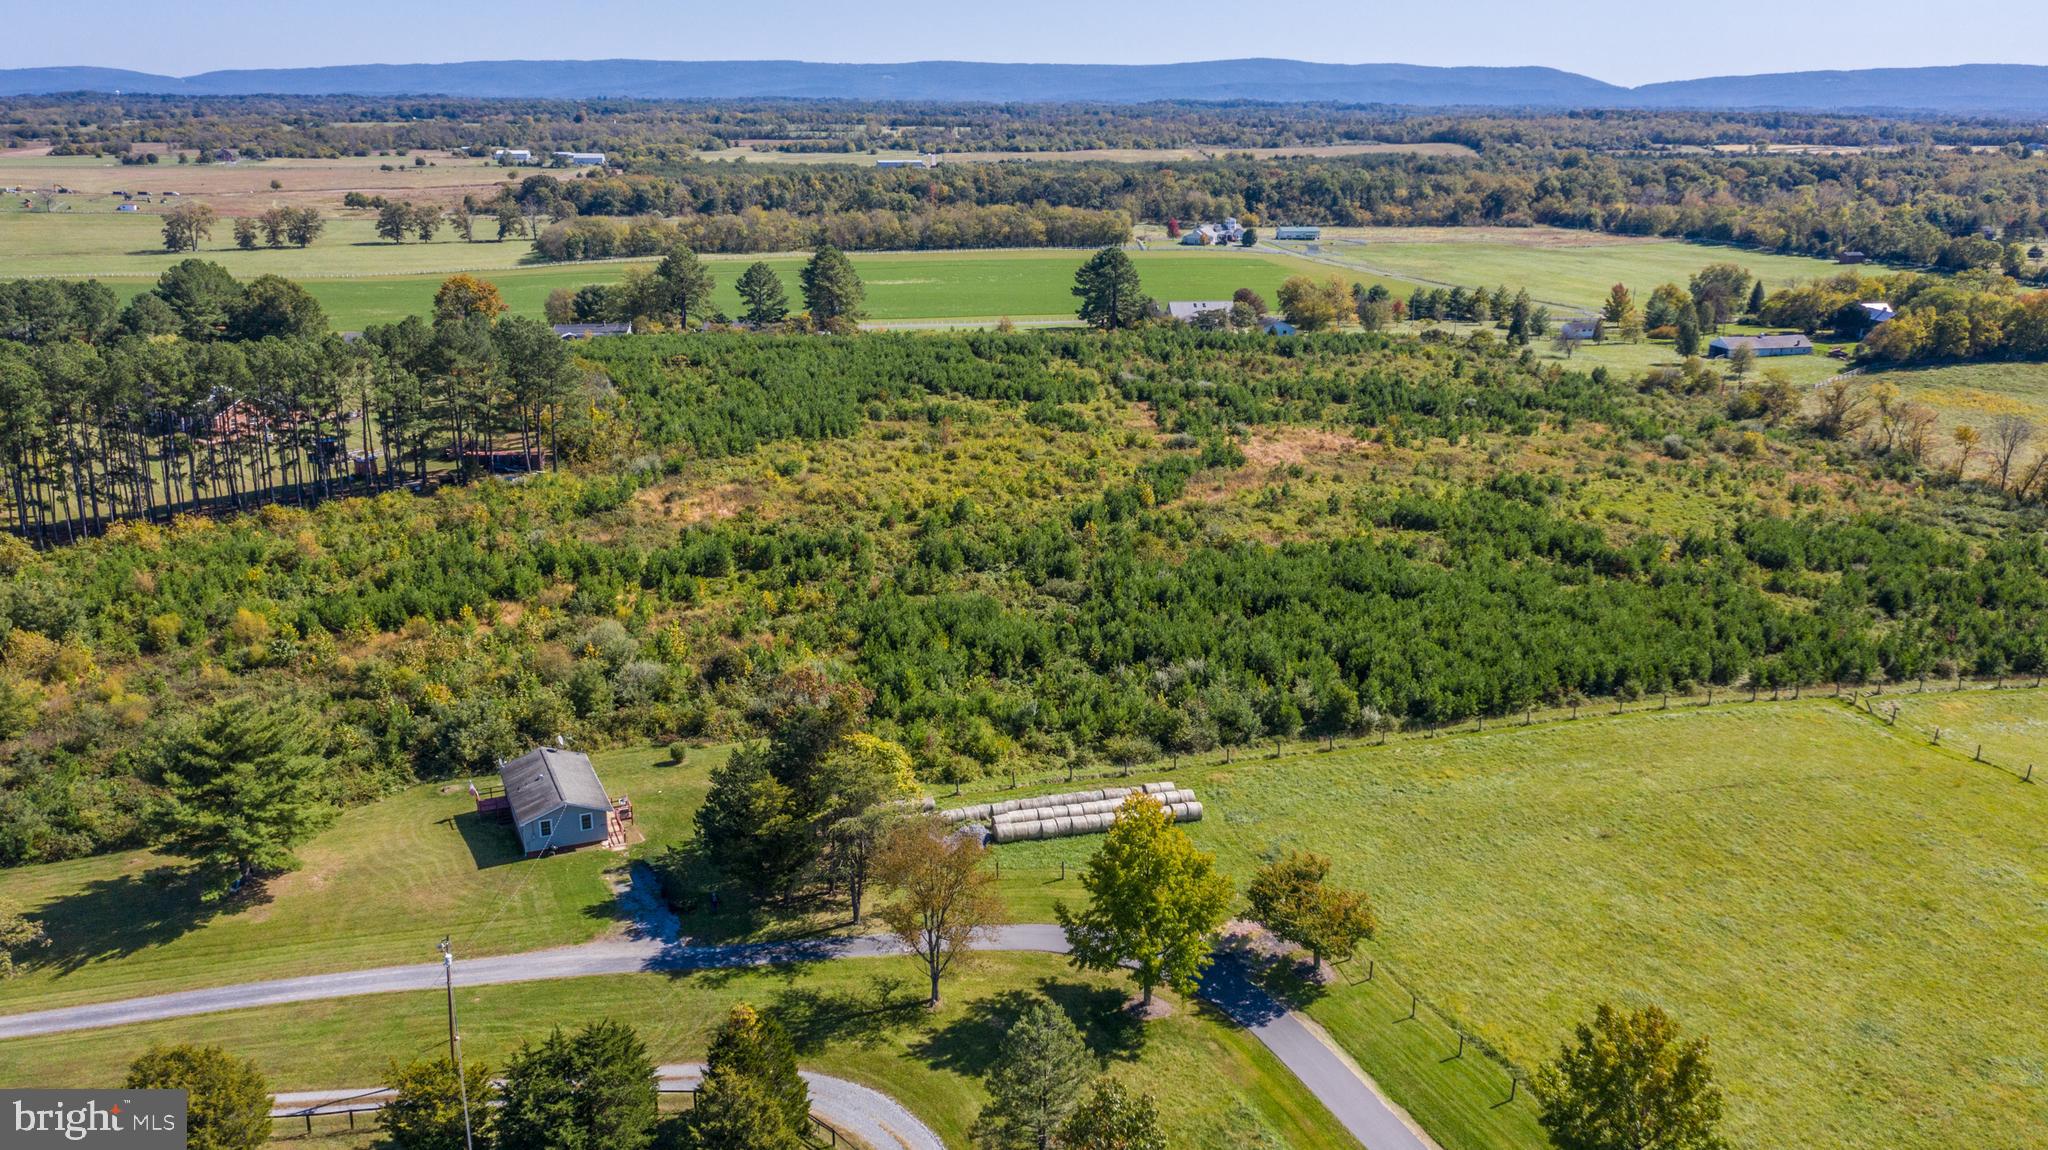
[[206, 394]]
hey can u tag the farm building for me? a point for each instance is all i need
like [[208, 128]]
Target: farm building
[[1579, 329], [1209, 235], [1851, 258], [555, 801], [1876, 312], [1763, 345], [582, 159], [1192, 310], [1274, 325], [925, 161], [591, 330], [1297, 233], [512, 155]]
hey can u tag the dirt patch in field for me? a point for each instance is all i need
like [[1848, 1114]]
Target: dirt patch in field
[[687, 507], [1303, 445]]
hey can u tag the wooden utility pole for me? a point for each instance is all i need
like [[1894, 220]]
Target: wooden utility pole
[[455, 1044]]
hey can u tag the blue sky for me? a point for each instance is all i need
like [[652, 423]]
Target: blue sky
[[1623, 42]]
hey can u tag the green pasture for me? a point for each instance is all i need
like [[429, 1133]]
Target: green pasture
[[987, 285], [98, 243], [1575, 273], [2011, 726], [1973, 393], [861, 1019], [1852, 916]]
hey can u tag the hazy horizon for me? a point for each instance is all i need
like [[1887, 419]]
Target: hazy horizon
[[1604, 39]]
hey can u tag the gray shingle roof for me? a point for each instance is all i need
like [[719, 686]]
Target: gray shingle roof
[[543, 779]]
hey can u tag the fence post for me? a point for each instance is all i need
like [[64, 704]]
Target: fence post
[[1412, 1000], [1461, 1045]]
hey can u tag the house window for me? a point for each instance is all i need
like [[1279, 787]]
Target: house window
[[547, 828], [585, 822]]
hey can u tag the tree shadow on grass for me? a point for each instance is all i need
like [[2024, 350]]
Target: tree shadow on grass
[[971, 1043], [864, 1017], [115, 917]]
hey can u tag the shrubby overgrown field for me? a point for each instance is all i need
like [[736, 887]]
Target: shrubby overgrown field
[[1031, 548]]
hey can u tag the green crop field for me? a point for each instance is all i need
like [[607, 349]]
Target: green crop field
[[1850, 914], [1573, 269], [1032, 283], [859, 1019]]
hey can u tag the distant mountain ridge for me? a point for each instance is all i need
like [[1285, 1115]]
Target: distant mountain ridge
[[1968, 88]]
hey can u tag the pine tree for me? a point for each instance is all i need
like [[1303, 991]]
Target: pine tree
[[761, 289], [1756, 300], [832, 289], [243, 792], [1109, 290], [685, 284], [1036, 1082]]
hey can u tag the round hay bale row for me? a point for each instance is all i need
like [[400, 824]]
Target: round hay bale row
[[1187, 812], [983, 812], [1100, 806], [1052, 828]]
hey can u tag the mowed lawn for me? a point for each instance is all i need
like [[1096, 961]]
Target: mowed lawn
[[979, 285], [1855, 919], [1574, 269], [379, 888], [862, 1019]]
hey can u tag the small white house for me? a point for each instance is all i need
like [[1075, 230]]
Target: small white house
[[1876, 312], [513, 155], [1192, 310], [556, 800]]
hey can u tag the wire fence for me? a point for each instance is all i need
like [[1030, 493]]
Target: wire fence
[[1394, 732]]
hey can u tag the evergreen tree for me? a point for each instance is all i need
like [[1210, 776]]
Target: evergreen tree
[[761, 290], [593, 1090], [832, 290], [1688, 342], [1154, 902], [1110, 294], [685, 284], [227, 1102], [242, 792], [1036, 1081], [1756, 300], [753, 1049]]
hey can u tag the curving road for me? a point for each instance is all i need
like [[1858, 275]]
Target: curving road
[[653, 945]]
